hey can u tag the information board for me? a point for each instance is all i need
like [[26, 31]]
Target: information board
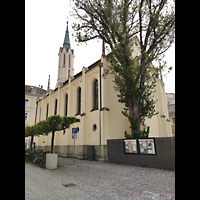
[[147, 146], [130, 146]]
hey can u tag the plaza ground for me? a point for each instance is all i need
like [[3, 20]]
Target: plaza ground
[[94, 180]]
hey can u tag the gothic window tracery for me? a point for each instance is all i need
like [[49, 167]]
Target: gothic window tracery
[[95, 95]]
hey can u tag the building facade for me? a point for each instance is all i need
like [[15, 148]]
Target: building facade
[[94, 101], [32, 94], [171, 110]]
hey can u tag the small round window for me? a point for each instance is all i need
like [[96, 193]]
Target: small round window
[[94, 127]]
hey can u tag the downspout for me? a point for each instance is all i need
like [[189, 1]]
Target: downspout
[[35, 114], [36, 111], [36, 105], [100, 112], [32, 137], [103, 55]]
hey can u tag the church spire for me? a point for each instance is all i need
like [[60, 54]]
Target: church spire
[[66, 43]]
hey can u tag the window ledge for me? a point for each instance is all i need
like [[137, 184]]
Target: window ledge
[[104, 108], [77, 114], [94, 109], [83, 114]]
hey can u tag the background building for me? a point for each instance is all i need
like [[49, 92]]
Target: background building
[[32, 94], [171, 110]]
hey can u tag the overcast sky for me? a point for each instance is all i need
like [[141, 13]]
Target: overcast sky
[[45, 26]]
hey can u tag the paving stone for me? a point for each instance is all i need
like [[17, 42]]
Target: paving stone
[[96, 180]]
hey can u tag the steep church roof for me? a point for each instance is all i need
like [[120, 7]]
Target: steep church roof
[[66, 43]]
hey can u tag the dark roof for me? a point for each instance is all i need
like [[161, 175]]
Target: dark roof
[[89, 68], [79, 74], [28, 89], [94, 64]]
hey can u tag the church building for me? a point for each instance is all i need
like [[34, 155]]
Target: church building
[[92, 99]]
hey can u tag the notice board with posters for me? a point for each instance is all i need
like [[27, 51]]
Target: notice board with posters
[[140, 146], [147, 146], [130, 146]]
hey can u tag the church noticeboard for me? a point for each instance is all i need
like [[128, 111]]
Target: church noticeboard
[[140, 146], [147, 146], [130, 146]]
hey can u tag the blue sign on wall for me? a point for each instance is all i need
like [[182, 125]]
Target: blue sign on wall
[[74, 130]]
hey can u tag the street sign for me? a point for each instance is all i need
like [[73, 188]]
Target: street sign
[[74, 136], [74, 130], [74, 133]]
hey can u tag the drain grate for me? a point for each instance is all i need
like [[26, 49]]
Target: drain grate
[[69, 185]]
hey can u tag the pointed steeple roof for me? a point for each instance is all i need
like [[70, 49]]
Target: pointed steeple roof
[[66, 43]]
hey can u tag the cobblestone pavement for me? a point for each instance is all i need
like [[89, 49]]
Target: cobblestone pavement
[[96, 180]]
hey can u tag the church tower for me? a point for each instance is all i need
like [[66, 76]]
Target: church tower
[[66, 60]]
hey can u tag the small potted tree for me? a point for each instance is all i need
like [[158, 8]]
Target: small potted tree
[[56, 123]]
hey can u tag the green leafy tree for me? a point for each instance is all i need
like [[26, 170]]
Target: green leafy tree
[[30, 131], [56, 123], [37, 129], [52, 124], [42, 127], [117, 22]]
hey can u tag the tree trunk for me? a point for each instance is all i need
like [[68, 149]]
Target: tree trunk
[[136, 106], [134, 114], [31, 142], [52, 141], [131, 116]]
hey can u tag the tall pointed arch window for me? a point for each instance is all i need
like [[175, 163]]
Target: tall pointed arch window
[[64, 60], [95, 94], [47, 110], [78, 101], [66, 104], [55, 111], [40, 113]]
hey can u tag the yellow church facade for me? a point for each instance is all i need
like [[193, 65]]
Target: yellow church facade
[[94, 101]]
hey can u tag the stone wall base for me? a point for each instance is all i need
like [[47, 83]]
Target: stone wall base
[[67, 151]]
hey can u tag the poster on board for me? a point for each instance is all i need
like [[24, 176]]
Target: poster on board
[[130, 146], [147, 146]]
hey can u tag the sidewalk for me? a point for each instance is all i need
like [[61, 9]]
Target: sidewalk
[[94, 180]]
